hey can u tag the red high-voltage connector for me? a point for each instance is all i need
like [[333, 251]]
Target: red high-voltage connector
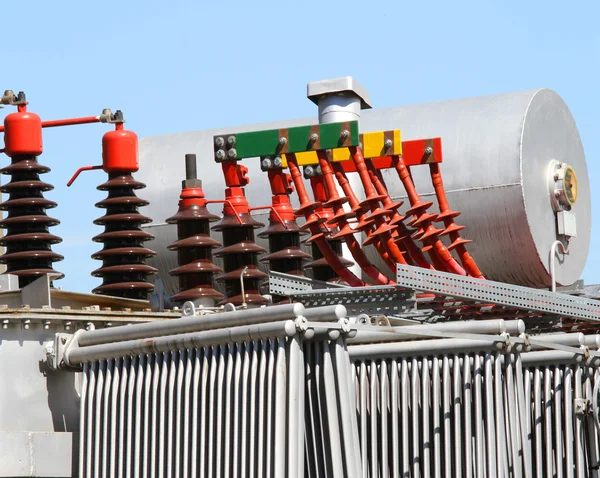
[[124, 271], [242, 276], [27, 240], [194, 245], [360, 212], [307, 209], [378, 215], [440, 255], [340, 220], [321, 269], [402, 235], [451, 228], [283, 232]]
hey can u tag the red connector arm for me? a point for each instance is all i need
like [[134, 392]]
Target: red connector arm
[[372, 202], [361, 215], [440, 255], [341, 218], [319, 238], [447, 215], [65, 122]]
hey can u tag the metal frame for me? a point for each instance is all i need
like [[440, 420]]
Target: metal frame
[[485, 291]]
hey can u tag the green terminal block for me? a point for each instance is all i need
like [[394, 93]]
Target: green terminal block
[[274, 142]]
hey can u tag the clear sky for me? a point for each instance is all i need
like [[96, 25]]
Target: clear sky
[[188, 65]]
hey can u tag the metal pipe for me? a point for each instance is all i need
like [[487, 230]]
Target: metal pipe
[[552, 357], [70, 121], [375, 351], [79, 355], [192, 324], [555, 244], [325, 313], [392, 334]]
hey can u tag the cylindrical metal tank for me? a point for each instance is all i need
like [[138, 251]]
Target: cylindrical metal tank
[[501, 154]]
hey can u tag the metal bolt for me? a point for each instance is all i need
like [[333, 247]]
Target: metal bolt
[[557, 194], [63, 340], [344, 134], [318, 170], [219, 142], [556, 176], [388, 143], [314, 137], [328, 151], [428, 150], [282, 141], [309, 171], [278, 162], [232, 153], [266, 163], [220, 154], [231, 141]]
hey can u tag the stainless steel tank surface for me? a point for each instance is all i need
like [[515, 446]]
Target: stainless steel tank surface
[[501, 157]]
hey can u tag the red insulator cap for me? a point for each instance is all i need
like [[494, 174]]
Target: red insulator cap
[[22, 134], [120, 151]]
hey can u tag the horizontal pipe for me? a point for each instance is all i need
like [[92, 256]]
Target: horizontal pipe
[[191, 324], [70, 121], [66, 122], [326, 313], [573, 340], [553, 357], [407, 332], [78, 355], [425, 347]]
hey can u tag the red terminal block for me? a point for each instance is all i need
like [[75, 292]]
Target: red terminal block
[[27, 239], [124, 271], [241, 276], [283, 231], [194, 245]]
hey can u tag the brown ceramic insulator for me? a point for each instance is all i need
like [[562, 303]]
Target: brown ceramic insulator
[[238, 252], [285, 254], [27, 239], [194, 247], [124, 271]]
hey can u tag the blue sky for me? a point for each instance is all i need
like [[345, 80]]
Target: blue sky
[[187, 65]]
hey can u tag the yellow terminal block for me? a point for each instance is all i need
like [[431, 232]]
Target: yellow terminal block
[[373, 146]]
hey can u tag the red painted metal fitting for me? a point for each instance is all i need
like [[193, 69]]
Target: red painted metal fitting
[[236, 175], [23, 134], [120, 151]]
